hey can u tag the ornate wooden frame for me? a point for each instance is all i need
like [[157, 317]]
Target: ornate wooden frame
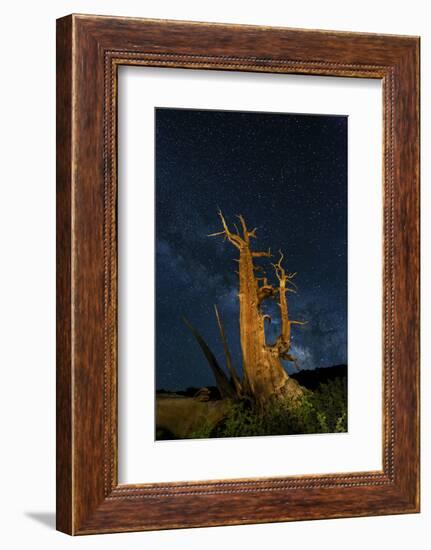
[[89, 51]]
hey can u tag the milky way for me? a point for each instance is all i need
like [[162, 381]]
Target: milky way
[[287, 175]]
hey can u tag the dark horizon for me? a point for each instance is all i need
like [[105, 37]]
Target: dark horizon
[[287, 174]]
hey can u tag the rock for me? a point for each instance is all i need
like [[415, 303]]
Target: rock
[[181, 416]]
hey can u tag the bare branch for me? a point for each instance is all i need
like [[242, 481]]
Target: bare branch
[[244, 226], [236, 240], [229, 363], [247, 234], [279, 270], [223, 383], [281, 257], [291, 283], [253, 233], [262, 254], [287, 289]]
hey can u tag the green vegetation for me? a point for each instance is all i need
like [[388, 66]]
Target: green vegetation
[[321, 411]]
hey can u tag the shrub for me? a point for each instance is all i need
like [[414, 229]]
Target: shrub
[[321, 411]]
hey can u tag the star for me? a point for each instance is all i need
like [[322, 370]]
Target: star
[[287, 174]]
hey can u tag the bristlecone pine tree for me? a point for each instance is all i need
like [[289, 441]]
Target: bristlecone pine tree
[[264, 377]]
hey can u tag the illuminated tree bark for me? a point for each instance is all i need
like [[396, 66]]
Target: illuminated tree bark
[[264, 374], [284, 340]]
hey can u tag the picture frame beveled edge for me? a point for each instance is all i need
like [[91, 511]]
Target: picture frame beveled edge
[[89, 498]]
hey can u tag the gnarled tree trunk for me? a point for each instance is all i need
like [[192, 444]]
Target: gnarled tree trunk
[[264, 374]]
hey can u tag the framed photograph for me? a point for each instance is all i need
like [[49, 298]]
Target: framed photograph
[[237, 274]]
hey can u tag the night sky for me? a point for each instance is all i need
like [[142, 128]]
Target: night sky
[[287, 175]]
